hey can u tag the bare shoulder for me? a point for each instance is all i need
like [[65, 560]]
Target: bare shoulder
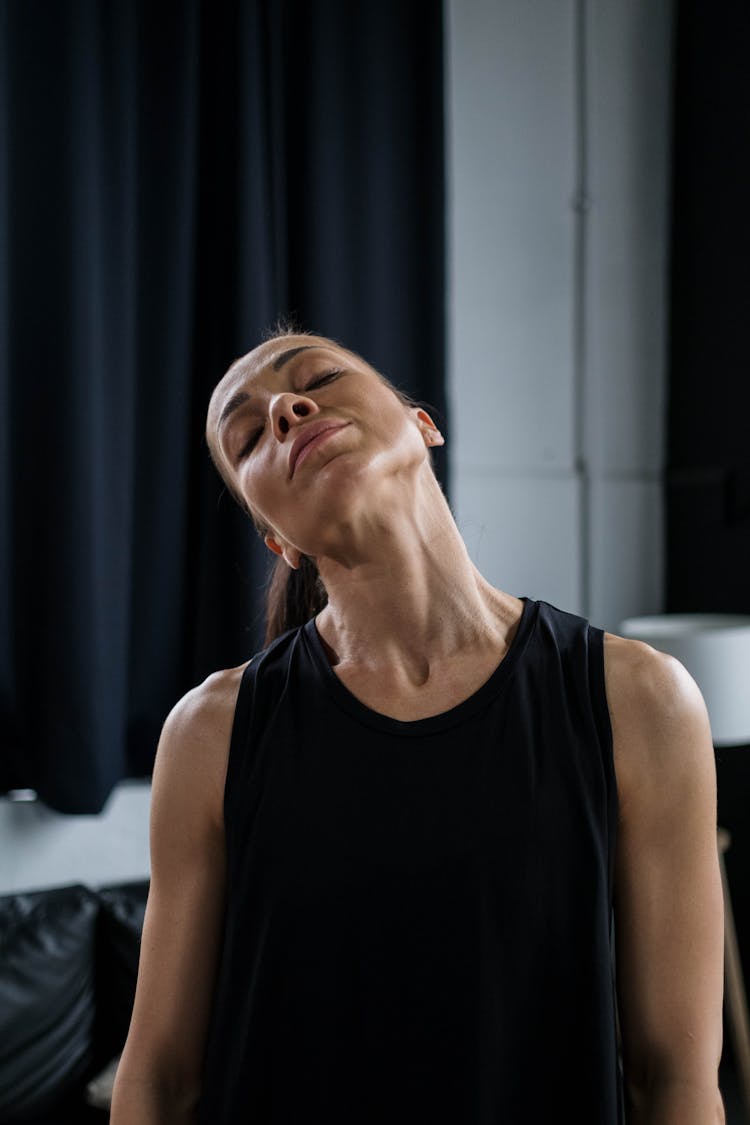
[[208, 708], [193, 749], [667, 883], [660, 725]]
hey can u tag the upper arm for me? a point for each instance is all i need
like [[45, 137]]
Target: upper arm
[[668, 895], [182, 924]]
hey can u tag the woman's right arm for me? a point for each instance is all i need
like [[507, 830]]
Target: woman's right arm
[[160, 1071]]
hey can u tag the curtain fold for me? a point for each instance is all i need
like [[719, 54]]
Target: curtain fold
[[173, 178], [708, 454]]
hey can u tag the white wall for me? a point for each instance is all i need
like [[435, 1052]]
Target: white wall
[[42, 848], [558, 165]]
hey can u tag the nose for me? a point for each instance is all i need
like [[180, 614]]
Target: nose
[[288, 410]]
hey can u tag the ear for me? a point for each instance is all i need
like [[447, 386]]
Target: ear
[[289, 554], [272, 545], [428, 429]]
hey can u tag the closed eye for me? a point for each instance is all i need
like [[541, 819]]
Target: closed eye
[[250, 444], [256, 435], [322, 380]]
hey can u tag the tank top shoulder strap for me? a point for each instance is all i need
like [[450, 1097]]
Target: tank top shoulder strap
[[238, 741], [579, 646], [261, 684], [598, 690], [603, 723]]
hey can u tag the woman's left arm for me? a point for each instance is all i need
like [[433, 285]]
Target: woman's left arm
[[669, 916]]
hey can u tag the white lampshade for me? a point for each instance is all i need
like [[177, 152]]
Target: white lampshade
[[715, 649]]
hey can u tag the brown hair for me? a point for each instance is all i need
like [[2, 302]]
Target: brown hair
[[292, 596]]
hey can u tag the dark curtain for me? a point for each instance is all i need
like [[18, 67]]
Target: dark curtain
[[708, 470], [173, 178], [708, 473]]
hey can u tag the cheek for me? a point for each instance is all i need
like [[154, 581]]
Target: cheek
[[266, 494], [249, 483], [259, 499], [387, 414], [402, 430]]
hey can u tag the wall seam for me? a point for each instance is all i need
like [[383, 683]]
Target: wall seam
[[580, 205]]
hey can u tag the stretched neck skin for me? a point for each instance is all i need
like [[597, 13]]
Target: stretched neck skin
[[403, 593]]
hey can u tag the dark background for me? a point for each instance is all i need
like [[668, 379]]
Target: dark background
[[176, 176], [708, 424]]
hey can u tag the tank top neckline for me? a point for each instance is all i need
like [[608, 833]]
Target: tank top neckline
[[431, 723]]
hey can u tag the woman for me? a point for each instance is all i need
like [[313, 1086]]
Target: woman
[[385, 850]]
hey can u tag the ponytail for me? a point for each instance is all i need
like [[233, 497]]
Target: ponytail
[[293, 597]]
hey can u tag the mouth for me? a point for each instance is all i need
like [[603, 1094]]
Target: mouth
[[312, 436]]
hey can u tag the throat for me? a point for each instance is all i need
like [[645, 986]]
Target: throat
[[404, 698]]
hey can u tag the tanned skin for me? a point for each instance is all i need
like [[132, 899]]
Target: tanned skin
[[412, 628]]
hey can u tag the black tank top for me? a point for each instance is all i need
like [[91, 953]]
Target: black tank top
[[418, 914]]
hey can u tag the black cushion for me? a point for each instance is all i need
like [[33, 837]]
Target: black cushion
[[72, 1110], [47, 941], [122, 908]]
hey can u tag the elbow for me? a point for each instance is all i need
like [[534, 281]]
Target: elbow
[[153, 1094], [674, 1097]]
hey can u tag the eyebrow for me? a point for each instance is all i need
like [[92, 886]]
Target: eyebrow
[[234, 402], [241, 397], [279, 362]]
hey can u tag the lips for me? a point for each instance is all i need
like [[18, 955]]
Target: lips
[[308, 434]]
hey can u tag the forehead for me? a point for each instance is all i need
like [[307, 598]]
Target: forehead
[[269, 353], [265, 357]]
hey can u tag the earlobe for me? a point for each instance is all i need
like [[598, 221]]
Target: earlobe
[[290, 555], [428, 429]]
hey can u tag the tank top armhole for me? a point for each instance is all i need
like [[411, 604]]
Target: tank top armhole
[[237, 744], [602, 721]]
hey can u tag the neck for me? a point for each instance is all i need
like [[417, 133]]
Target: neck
[[406, 591]]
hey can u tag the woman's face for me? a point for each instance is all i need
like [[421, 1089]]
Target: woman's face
[[313, 439]]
